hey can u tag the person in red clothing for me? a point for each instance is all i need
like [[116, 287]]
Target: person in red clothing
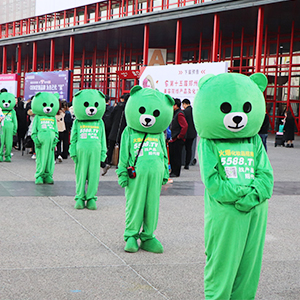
[[178, 128]]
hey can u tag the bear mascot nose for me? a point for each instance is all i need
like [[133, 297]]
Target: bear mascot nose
[[237, 119]]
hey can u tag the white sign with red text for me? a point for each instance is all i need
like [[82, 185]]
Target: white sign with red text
[[179, 81], [10, 82]]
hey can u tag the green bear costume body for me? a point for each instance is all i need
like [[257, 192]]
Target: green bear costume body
[[148, 113], [228, 112], [9, 124], [88, 145], [44, 134]]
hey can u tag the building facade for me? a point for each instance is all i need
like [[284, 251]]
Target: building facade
[[96, 41]]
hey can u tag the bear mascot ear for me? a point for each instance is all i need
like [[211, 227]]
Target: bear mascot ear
[[77, 93], [260, 79], [101, 94], [204, 79], [135, 89], [56, 95], [170, 99], [38, 93]]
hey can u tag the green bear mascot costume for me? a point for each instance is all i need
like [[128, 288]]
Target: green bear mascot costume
[[44, 134], [229, 110], [9, 124], [148, 113], [88, 145]]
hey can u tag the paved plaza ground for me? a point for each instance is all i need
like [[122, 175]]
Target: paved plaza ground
[[49, 250]]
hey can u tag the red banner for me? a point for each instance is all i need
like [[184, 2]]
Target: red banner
[[130, 74]]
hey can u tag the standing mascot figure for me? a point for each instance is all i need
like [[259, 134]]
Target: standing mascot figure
[[143, 150], [44, 134], [9, 124], [88, 145], [228, 112]]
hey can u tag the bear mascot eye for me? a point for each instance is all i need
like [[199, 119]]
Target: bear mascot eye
[[9, 101], [51, 105], [225, 107], [44, 104], [156, 113], [247, 107], [86, 104], [142, 110], [3, 101], [96, 104]]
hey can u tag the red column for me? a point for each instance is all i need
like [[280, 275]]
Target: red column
[[82, 68], [94, 68], [52, 54], [215, 45], [34, 57], [85, 15], [146, 45], [4, 60], [259, 39], [97, 12], [71, 66], [178, 43], [19, 69]]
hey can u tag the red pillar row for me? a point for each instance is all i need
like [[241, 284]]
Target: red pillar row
[[4, 60], [215, 46], [146, 45], [259, 38], [34, 57], [52, 54], [71, 66], [19, 69], [178, 42]]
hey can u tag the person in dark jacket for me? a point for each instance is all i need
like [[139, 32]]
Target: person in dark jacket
[[191, 132], [263, 132], [22, 122], [289, 129], [107, 117], [118, 122], [179, 127]]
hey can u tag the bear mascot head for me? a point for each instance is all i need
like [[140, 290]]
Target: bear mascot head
[[229, 105], [7, 101], [148, 110], [89, 105], [45, 104]]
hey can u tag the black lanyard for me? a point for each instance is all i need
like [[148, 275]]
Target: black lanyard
[[139, 150]]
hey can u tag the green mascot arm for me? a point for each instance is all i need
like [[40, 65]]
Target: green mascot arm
[[214, 178], [15, 121], [166, 161], [73, 140], [102, 137], [56, 139], [262, 185], [124, 159], [34, 132]]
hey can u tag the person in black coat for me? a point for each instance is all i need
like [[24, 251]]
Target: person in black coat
[[22, 122], [107, 117], [289, 129], [191, 132], [118, 122]]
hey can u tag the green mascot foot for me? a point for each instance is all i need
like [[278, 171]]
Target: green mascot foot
[[48, 180], [91, 204], [39, 180], [152, 245], [131, 245], [7, 159], [80, 204], [1, 158]]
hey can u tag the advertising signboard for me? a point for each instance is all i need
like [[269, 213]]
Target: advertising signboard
[[179, 81], [10, 82], [56, 81]]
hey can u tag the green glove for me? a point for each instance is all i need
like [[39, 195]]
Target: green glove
[[37, 143], [74, 159], [123, 181], [165, 180], [246, 203]]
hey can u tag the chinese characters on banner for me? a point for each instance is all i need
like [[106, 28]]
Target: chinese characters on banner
[[53, 82], [179, 81]]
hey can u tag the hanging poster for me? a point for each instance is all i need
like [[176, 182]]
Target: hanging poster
[[179, 81], [56, 81], [10, 82]]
